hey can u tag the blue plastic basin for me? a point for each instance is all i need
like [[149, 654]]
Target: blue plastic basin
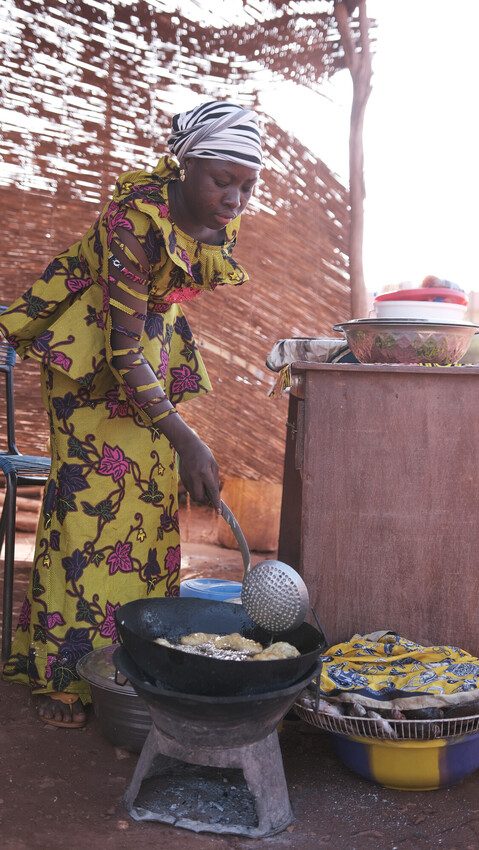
[[218, 589]]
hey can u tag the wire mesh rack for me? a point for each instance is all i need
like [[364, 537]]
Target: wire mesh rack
[[392, 730]]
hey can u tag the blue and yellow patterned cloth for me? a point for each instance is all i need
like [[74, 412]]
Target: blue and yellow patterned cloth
[[387, 671]]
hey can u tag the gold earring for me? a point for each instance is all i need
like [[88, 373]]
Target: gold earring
[[182, 174]]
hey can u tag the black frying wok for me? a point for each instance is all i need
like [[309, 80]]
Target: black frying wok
[[141, 621]]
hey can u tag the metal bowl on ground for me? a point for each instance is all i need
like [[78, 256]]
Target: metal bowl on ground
[[407, 340], [123, 716], [141, 621], [425, 755]]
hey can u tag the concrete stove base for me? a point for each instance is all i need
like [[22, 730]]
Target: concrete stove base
[[262, 767]]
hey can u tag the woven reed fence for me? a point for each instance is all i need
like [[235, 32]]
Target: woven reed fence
[[90, 89]]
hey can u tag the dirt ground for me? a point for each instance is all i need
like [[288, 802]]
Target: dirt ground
[[62, 789]]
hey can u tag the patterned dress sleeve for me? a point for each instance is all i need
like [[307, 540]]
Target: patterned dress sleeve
[[128, 282]]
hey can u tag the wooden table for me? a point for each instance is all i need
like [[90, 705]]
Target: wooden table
[[380, 510]]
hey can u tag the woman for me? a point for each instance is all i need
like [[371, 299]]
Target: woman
[[116, 356]]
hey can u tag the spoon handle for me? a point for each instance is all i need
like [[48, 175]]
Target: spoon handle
[[233, 523]]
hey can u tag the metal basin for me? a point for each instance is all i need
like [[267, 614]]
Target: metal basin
[[408, 340], [123, 716]]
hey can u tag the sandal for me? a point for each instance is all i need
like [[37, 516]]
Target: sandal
[[66, 699]]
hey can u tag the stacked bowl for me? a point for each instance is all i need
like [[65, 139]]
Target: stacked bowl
[[424, 326], [430, 303]]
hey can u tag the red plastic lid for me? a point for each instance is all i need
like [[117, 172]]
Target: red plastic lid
[[431, 293]]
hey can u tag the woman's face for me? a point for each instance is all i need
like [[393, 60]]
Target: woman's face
[[216, 191]]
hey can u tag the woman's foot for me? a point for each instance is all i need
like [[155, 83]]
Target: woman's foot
[[61, 709]]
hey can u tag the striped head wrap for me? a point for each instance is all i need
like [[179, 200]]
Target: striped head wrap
[[217, 130]]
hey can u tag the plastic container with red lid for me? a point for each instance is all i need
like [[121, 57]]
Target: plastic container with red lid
[[431, 293]]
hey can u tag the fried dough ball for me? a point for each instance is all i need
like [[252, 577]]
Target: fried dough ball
[[277, 651], [197, 639], [238, 642], [163, 642]]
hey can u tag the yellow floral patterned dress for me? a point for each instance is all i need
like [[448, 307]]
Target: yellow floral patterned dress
[[108, 531]]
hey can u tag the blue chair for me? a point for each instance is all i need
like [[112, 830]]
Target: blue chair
[[19, 471]]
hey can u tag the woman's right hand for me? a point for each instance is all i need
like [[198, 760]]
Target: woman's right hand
[[198, 468], [199, 472]]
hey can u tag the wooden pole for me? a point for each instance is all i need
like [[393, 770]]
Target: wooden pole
[[356, 46]]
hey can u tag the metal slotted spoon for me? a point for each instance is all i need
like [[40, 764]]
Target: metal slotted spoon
[[273, 594]]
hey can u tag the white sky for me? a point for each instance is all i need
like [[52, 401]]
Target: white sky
[[421, 141]]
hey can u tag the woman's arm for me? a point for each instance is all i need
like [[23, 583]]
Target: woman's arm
[[128, 276]]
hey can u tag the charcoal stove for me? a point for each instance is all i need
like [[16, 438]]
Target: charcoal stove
[[226, 733]]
